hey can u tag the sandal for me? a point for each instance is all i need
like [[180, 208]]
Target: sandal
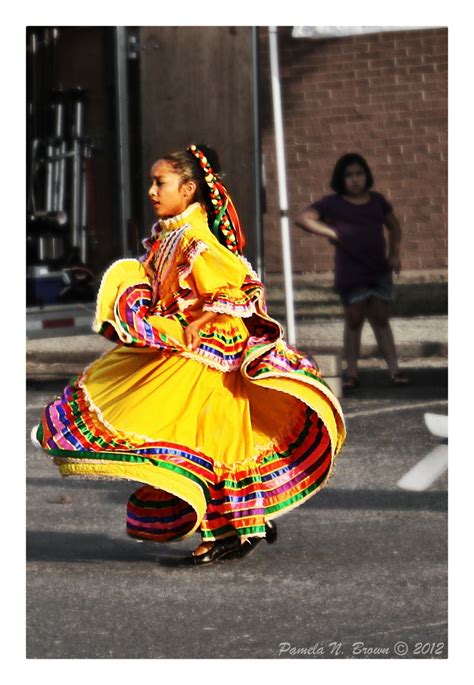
[[220, 549], [350, 383], [399, 378]]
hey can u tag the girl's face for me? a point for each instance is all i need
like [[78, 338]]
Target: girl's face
[[355, 179], [168, 194]]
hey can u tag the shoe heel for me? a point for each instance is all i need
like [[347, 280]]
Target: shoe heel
[[270, 532]]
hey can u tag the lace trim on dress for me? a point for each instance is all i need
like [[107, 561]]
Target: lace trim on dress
[[93, 408], [176, 221], [232, 309], [245, 261], [96, 324], [209, 359]]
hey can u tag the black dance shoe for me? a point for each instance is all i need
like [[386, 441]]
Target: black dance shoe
[[220, 549], [251, 544]]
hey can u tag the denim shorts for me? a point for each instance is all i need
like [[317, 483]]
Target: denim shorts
[[382, 288]]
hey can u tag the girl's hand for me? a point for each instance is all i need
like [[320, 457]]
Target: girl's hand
[[394, 261], [191, 332], [191, 335]]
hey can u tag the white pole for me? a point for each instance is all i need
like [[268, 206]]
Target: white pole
[[123, 141], [281, 172]]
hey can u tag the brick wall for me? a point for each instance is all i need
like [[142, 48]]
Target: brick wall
[[382, 95]]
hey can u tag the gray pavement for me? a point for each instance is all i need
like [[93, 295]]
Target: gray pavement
[[357, 569], [419, 336]]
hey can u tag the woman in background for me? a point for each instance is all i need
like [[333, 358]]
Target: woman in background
[[353, 218]]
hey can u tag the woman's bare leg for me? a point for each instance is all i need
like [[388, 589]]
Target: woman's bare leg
[[354, 317], [378, 312]]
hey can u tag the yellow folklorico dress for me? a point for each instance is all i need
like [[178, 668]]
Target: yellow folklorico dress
[[222, 438]]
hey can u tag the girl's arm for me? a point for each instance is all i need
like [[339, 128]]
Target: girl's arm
[[394, 241], [309, 220]]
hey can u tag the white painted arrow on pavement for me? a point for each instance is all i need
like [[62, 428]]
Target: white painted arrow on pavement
[[427, 471], [434, 464], [437, 424]]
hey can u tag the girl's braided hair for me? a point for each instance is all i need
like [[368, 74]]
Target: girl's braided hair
[[200, 163]]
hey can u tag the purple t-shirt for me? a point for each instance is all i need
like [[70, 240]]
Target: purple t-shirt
[[361, 255]]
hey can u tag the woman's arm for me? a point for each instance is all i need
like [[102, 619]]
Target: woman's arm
[[309, 220], [394, 241]]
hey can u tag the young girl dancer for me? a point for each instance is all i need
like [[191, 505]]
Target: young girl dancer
[[353, 219], [201, 400]]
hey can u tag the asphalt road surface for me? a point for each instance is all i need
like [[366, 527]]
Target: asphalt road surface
[[359, 571]]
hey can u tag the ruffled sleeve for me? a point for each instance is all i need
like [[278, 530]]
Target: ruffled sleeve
[[124, 314], [216, 275]]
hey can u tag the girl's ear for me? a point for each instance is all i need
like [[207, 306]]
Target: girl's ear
[[189, 189]]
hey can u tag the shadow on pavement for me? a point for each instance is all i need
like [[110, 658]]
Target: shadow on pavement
[[80, 547], [426, 384], [52, 385]]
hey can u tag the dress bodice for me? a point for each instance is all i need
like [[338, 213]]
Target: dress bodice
[[191, 271]]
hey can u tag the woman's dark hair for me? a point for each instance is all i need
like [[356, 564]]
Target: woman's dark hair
[[188, 167], [337, 180]]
